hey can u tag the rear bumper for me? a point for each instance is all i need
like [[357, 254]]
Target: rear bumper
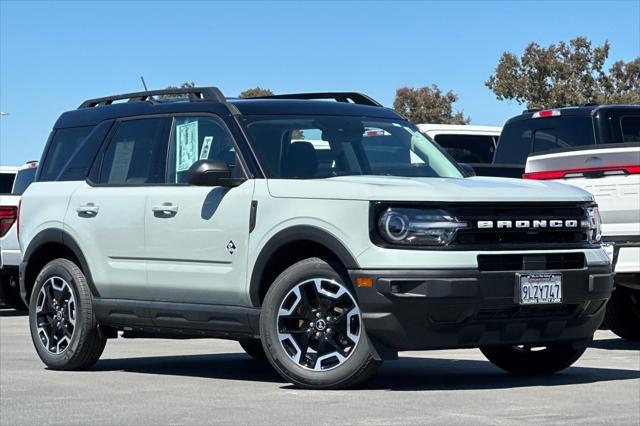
[[442, 309]]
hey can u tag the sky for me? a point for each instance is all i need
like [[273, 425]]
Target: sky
[[54, 55]]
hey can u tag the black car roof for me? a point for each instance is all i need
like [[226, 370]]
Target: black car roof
[[578, 111], [93, 112]]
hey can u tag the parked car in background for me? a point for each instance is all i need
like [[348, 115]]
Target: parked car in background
[[9, 246], [596, 148], [472, 145], [324, 236]]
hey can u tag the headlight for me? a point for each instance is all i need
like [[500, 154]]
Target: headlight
[[593, 224], [418, 227]]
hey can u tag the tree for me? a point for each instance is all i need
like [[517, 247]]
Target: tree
[[565, 74], [259, 91], [255, 92], [185, 85], [428, 105]]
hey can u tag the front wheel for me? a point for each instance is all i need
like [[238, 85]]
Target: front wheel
[[312, 328], [623, 313], [524, 359]]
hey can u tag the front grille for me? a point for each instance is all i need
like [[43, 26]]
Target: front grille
[[533, 262], [505, 238]]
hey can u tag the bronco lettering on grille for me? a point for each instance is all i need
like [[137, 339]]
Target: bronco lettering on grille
[[528, 224]]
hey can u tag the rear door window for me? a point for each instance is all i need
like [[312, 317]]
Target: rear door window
[[468, 148], [137, 153], [63, 144], [630, 129]]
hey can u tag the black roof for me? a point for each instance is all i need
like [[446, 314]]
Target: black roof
[[578, 111], [93, 111]]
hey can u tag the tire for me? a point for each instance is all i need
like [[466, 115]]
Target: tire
[[530, 361], [320, 365], [253, 348], [64, 283], [623, 313], [10, 295]]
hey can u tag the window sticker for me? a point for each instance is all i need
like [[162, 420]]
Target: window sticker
[[121, 162], [206, 147], [186, 146]]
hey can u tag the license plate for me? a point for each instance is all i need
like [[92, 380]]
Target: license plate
[[540, 288]]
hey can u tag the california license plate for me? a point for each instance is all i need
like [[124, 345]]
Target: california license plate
[[540, 288]]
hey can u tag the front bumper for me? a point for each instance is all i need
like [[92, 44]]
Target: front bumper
[[444, 309]]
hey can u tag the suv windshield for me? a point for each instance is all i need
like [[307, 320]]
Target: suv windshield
[[308, 147]]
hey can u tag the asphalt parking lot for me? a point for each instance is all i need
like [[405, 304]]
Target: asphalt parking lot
[[213, 381]]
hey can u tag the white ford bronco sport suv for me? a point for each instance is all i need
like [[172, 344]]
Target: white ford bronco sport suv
[[215, 217]]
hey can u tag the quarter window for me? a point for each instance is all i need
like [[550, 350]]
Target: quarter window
[[198, 138], [64, 143], [137, 152]]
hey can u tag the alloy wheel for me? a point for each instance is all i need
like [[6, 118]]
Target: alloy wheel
[[319, 324], [56, 315]]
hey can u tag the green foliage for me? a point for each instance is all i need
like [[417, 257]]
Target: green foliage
[[428, 105], [255, 92], [565, 74], [185, 85]]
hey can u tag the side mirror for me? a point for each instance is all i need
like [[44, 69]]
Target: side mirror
[[211, 173], [467, 170]]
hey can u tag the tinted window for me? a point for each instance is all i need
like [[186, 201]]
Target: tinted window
[[514, 143], [521, 138], [343, 146], [137, 152], [24, 178], [468, 148], [6, 182], [564, 132], [630, 129], [198, 138], [63, 144]]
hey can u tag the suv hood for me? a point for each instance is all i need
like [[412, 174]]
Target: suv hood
[[391, 188]]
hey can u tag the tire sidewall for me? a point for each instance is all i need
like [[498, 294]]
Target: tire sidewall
[[300, 272], [63, 270]]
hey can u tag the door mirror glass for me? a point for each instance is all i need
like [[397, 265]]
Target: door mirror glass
[[209, 173]]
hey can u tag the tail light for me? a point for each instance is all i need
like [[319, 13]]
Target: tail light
[[8, 215], [546, 113], [590, 172]]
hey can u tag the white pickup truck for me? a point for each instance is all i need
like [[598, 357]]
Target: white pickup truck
[[15, 180], [605, 162]]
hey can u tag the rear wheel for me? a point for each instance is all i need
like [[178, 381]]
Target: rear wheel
[[526, 359], [63, 326], [253, 348], [623, 313], [312, 328]]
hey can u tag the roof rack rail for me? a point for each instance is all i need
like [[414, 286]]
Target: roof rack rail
[[194, 93], [356, 98]]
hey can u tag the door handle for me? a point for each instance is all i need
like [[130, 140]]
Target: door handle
[[166, 209], [88, 210]]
